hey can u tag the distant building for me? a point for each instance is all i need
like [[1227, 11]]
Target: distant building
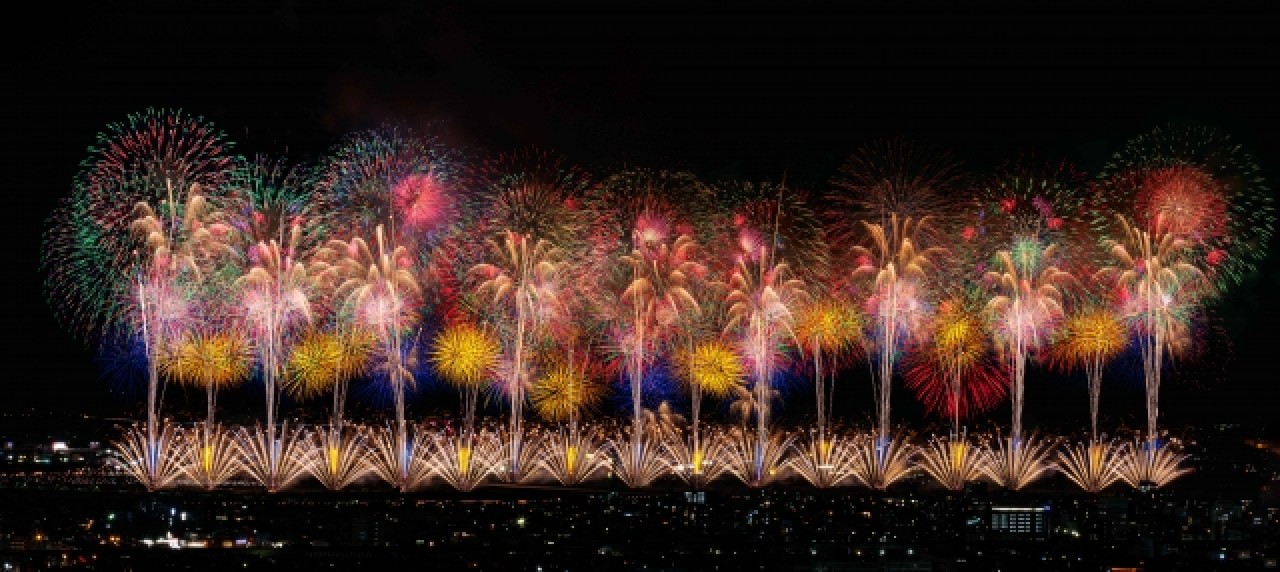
[[1021, 521]]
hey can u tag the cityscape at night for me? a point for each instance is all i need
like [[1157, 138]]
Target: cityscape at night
[[405, 285]]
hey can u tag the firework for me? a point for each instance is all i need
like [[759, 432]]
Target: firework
[[531, 192], [1092, 466], [829, 328], [153, 455], [953, 461], [211, 455], [520, 285], [881, 461], [275, 297], [277, 459], [892, 179], [762, 295], [952, 372], [697, 459], [212, 361], [773, 221], [1045, 202], [393, 177], [380, 291], [563, 392], [339, 455], [1018, 462], [467, 357], [1199, 185], [755, 461], [1159, 288], [895, 266], [826, 460], [402, 458], [1025, 310], [465, 461], [1090, 338], [1148, 462], [575, 456], [166, 289]]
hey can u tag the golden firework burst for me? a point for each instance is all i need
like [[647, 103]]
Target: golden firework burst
[[713, 366], [322, 359], [563, 392], [220, 360], [465, 355]]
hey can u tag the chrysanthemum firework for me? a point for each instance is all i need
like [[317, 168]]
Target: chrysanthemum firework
[[1199, 185]]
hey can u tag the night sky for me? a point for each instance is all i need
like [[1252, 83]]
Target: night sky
[[752, 95]]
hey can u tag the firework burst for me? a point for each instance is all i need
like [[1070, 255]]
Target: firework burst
[[1148, 462], [1092, 466], [1018, 462], [952, 372], [1089, 338], [895, 266], [954, 461]]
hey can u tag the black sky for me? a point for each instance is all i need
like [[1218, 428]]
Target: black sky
[[743, 94]]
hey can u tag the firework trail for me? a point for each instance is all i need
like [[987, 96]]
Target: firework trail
[[710, 368], [119, 246], [562, 394], [1198, 185], [952, 371], [325, 360], [1025, 310], [1089, 338], [656, 301], [380, 291], [521, 285], [829, 331], [895, 270], [212, 361], [761, 303]]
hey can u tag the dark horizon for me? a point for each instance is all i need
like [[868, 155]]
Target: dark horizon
[[751, 95]]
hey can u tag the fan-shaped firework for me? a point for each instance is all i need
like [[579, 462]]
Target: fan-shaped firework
[[1092, 466], [1016, 462], [826, 460], [954, 462], [1148, 462], [212, 455]]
